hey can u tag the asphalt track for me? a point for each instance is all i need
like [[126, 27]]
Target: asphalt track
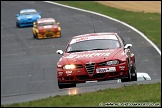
[[28, 66]]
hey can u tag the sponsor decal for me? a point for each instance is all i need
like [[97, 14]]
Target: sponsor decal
[[121, 67], [60, 73], [93, 37], [67, 72], [44, 21], [49, 26], [88, 55], [104, 70]]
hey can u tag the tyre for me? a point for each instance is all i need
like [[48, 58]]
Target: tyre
[[34, 36], [17, 24], [133, 73], [61, 86], [60, 34], [129, 75]]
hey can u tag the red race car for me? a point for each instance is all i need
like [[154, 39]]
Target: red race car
[[46, 28], [95, 57]]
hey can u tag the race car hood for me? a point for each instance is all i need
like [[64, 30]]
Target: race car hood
[[49, 27], [31, 16], [90, 56]]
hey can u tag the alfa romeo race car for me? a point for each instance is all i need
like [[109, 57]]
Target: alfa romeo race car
[[26, 17], [95, 57], [46, 28]]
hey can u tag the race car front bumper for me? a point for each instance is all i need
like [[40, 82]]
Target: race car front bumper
[[100, 73], [49, 35]]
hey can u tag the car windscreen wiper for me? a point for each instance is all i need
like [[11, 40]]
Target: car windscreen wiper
[[76, 51], [99, 48]]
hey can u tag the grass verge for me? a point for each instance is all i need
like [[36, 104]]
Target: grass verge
[[144, 93]]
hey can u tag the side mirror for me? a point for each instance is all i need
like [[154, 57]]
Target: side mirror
[[58, 23], [39, 13], [34, 24], [127, 46], [59, 52], [17, 15]]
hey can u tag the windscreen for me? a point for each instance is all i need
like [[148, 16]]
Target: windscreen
[[28, 12], [95, 44], [46, 23]]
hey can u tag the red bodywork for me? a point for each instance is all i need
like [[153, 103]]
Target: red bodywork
[[46, 29], [90, 64]]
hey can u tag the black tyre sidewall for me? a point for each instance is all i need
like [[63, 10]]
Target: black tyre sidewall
[[129, 74], [133, 70], [17, 24]]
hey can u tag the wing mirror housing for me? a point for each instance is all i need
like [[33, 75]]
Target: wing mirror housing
[[34, 24], [59, 52], [127, 46]]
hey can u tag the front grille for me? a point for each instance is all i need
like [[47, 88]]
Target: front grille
[[48, 31], [49, 35], [28, 23], [90, 68], [113, 74], [69, 78], [101, 75], [82, 77]]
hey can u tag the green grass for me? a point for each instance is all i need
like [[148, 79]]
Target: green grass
[[134, 93], [147, 23]]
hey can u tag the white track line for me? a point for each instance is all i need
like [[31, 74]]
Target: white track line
[[158, 50]]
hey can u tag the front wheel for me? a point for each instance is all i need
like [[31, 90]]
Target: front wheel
[[132, 74], [60, 34], [34, 36], [129, 74], [17, 24]]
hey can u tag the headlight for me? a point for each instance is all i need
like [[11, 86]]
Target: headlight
[[59, 29], [69, 67], [113, 62]]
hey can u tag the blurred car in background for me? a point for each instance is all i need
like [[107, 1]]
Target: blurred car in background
[[46, 28], [26, 17]]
